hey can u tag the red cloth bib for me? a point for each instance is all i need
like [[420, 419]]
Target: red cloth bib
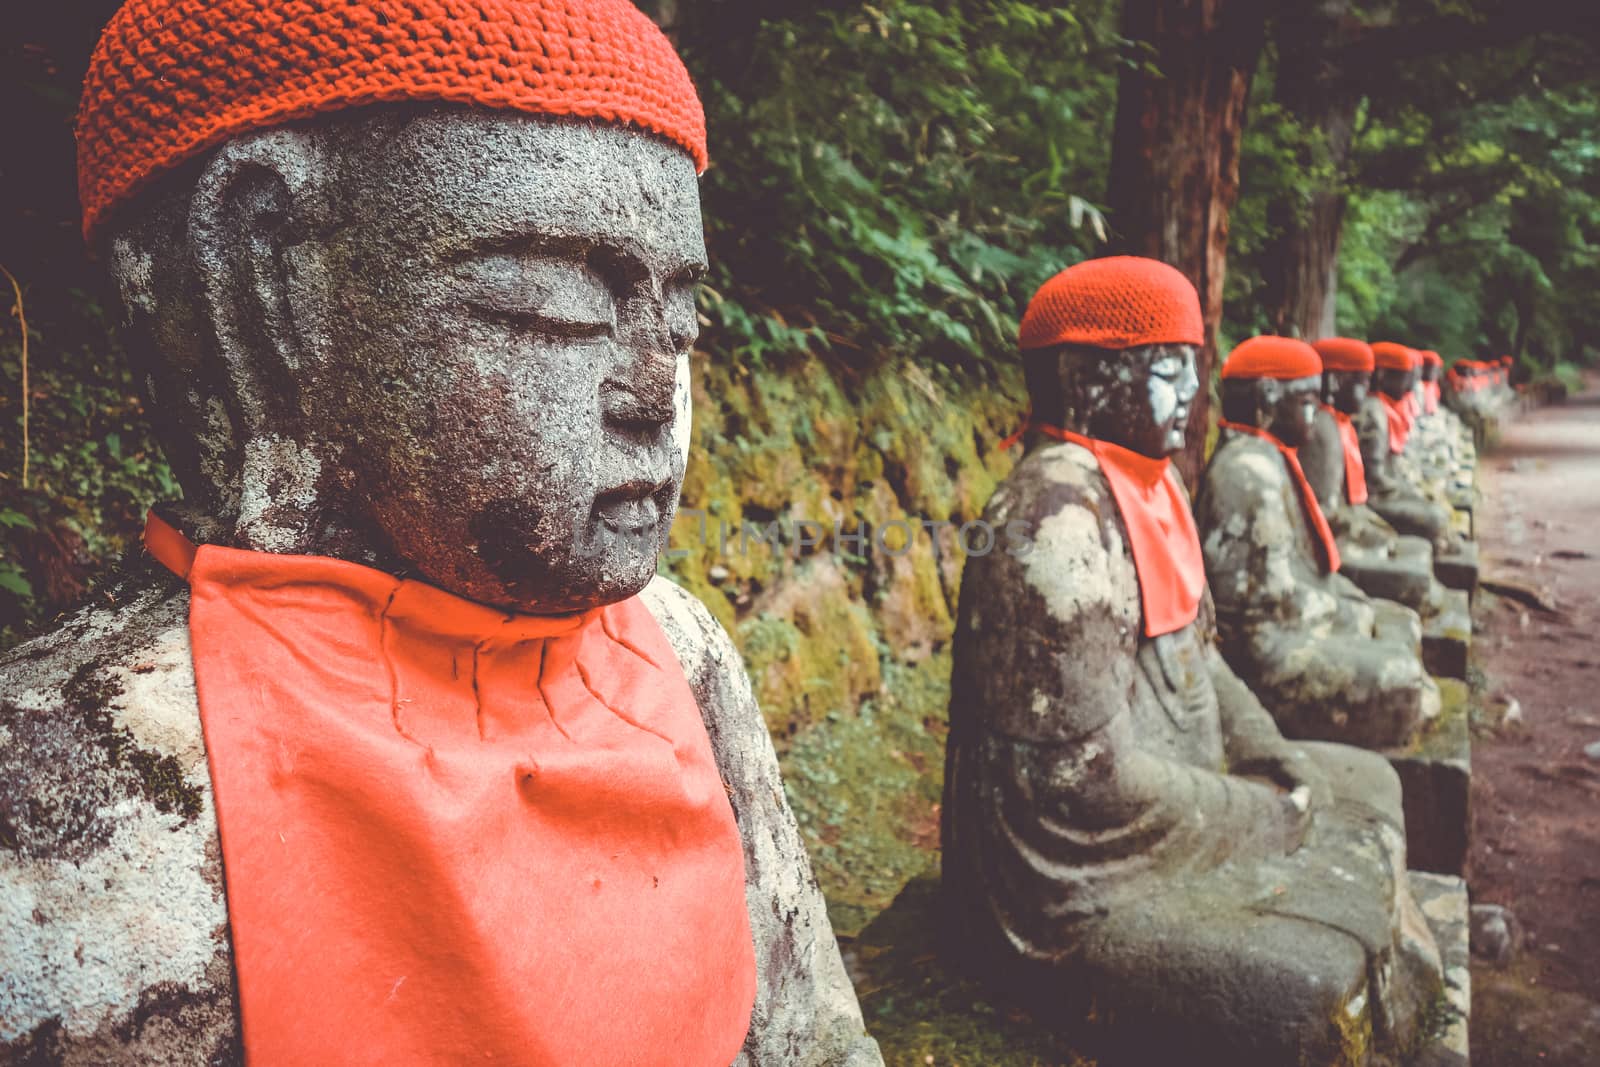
[[1399, 422], [452, 835], [1430, 397], [1161, 530], [1321, 534], [1355, 471]]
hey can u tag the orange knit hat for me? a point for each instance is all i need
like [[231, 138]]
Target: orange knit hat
[[1344, 354], [1432, 358], [1116, 302], [1281, 358], [1508, 360], [171, 79], [1391, 356]]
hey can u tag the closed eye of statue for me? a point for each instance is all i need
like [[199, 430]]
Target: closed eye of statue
[[551, 295]]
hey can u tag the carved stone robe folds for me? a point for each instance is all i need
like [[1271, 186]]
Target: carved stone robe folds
[[1393, 485], [1379, 559], [1328, 662], [1099, 859]]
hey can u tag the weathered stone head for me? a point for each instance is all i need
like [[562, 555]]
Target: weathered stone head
[[412, 290], [1346, 372], [1432, 366], [1397, 369], [1131, 384], [1273, 383]]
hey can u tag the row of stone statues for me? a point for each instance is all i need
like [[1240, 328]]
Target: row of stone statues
[[1130, 835], [396, 750]]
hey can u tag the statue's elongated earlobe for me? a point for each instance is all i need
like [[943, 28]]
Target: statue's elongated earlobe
[[255, 201]]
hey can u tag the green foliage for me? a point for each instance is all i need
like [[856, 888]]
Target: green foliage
[[95, 465], [1471, 214], [913, 198]]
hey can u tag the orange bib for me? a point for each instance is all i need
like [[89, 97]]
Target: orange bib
[[1355, 471], [456, 836], [1161, 530], [1399, 422], [1430, 397], [1321, 533]]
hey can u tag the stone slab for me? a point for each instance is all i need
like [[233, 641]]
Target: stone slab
[[1447, 636], [1458, 569], [1405, 578], [1443, 900], [1435, 783]]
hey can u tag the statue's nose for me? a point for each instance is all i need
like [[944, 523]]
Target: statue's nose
[[639, 397]]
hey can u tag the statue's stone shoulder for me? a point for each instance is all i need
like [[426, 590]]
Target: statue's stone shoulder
[[1247, 495], [1065, 559], [112, 911], [1253, 532], [1322, 457], [805, 1014], [1049, 620]]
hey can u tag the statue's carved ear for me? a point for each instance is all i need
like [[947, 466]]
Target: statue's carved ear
[[256, 199]]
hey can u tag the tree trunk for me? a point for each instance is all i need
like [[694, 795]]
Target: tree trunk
[[1175, 153], [1302, 261]]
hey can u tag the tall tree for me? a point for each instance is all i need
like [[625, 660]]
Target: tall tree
[[1332, 57], [1308, 221], [1175, 152]]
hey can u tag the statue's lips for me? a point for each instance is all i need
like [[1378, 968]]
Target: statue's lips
[[632, 511]]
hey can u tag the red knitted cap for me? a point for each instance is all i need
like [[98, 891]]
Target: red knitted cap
[[1282, 358], [1344, 354], [171, 79], [1432, 358], [1392, 356], [1508, 360], [1117, 302]]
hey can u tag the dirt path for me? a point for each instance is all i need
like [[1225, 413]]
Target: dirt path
[[1535, 794]]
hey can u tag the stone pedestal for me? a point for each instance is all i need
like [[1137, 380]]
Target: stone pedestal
[[1443, 899], [1458, 567], [1447, 636], [1435, 780], [1403, 575]]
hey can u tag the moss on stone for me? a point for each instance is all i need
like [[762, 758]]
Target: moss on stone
[[866, 786], [847, 645], [1354, 1038], [923, 1014], [89, 694], [819, 661]]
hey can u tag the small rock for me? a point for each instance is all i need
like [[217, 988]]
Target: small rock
[[1592, 750], [718, 573], [1513, 712], [1496, 935]]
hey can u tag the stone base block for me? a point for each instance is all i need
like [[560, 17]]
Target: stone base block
[[1458, 569], [1405, 577], [1447, 636], [1443, 900], [1435, 783]]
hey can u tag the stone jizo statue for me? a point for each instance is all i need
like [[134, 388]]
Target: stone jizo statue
[[1328, 662], [1372, 553], [412, 292], [1129, 842], [1384, 427]]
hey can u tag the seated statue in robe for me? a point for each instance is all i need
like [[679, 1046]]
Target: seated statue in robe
[[1379, 559], [1131, 849], [397, 750], [1439, 437], [1384, 426], [1329, 662]]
